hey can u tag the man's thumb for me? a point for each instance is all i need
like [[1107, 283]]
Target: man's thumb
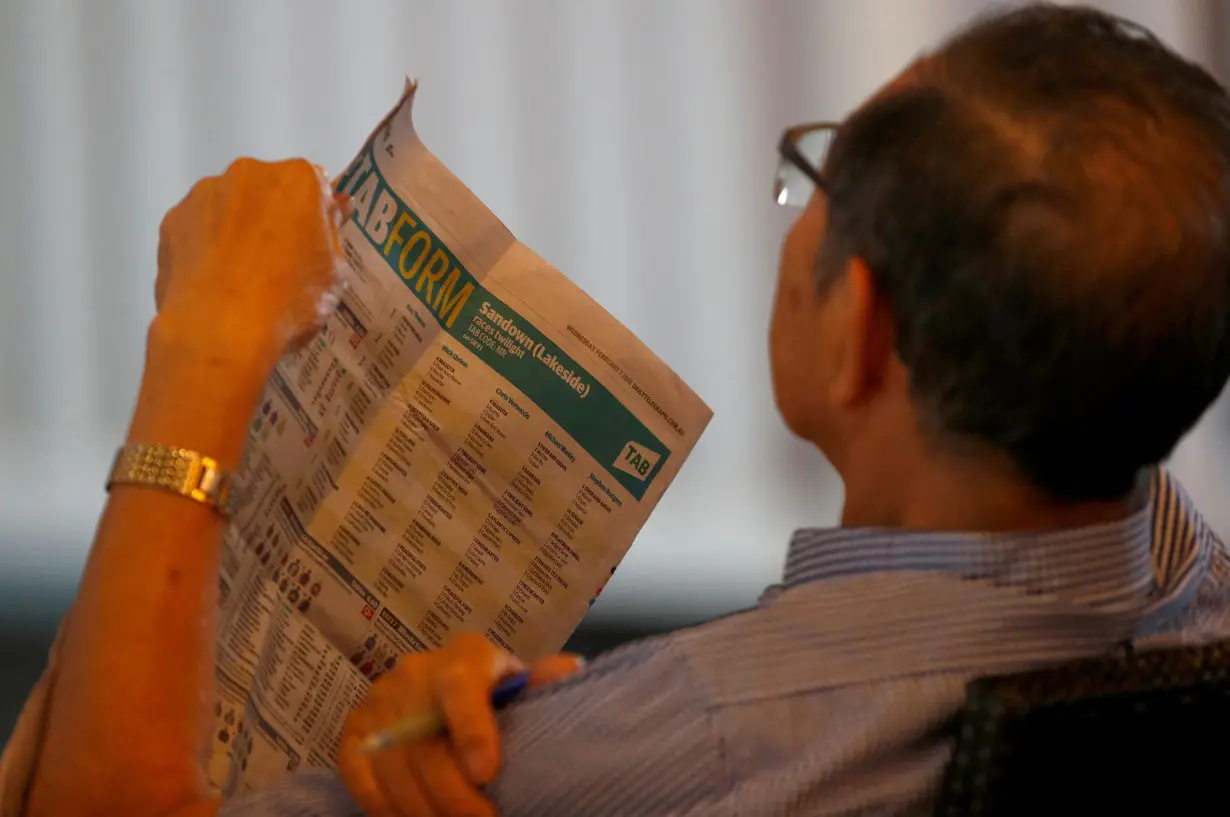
[[555, 668]]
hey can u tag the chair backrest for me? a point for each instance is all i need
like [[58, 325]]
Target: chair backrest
[[1143, 733]]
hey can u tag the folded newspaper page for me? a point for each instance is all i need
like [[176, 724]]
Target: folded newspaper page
[[471, 444]]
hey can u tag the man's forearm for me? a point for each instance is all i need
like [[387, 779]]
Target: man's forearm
[[130, 709]]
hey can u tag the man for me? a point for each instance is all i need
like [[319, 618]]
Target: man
[[1006, 300]]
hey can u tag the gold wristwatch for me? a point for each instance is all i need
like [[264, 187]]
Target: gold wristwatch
[[178, 470]]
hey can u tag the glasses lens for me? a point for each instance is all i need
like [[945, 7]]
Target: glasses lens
[[792, 187]]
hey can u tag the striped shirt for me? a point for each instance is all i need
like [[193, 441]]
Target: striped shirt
[[834, 694]]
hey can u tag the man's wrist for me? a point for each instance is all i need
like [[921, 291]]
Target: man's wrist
[[248, 353], [198, 396]]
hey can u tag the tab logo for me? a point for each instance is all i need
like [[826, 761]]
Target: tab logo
[[637, 460]]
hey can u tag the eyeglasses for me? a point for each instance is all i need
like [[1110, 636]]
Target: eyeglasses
[[802, 149]]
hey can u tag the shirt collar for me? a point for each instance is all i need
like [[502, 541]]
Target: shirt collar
[[1100, 564]]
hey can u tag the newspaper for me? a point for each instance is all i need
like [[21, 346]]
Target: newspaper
[[471, 444]]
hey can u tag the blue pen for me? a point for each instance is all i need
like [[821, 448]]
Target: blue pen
[[431, 724]]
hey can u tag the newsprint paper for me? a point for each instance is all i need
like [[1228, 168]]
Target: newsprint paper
[[471, 444]]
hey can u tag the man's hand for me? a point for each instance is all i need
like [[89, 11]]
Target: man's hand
[[249, 263], [438, 777]]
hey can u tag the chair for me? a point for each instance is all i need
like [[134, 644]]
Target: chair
[[1142, 733]]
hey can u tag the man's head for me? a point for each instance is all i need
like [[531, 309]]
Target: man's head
[[1022, 253]]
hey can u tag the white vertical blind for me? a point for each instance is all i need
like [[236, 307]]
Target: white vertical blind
[[628, 141]]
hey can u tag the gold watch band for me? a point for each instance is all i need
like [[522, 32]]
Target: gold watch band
[[178, 470]]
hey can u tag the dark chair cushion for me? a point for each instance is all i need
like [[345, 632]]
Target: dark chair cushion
[[1140, 733]]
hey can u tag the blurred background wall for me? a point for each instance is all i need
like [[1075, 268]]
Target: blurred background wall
[[630, 142]]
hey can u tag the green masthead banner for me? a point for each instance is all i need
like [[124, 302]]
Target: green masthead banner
[[500, 337]]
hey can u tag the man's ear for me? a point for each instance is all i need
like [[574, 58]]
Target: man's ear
[[867, 348]]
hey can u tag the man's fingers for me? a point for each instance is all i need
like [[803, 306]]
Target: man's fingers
[[342, 200], [555, 668], [439, 776], [363, 773], [407, 688], [465, 700], [450, 792], [463, 686], [162, 280], [357, 773], [345, 204], [400, 785]]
